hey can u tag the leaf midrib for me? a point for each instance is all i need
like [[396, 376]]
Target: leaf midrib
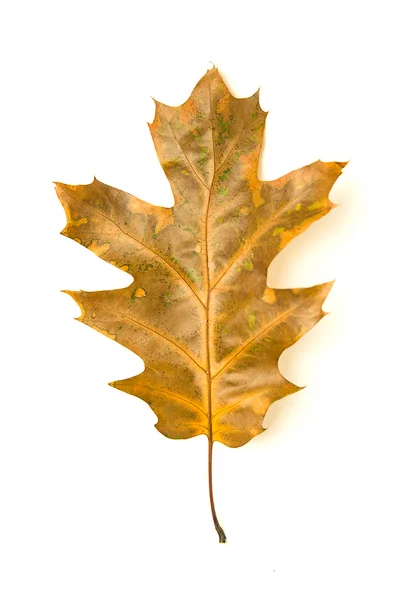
[[209, 286], [208, 362]]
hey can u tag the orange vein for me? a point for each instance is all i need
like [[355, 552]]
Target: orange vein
[[269, 326], [232, 147], [230, 406], [182, 150], [258, 233], [208, 271], [111, 309], [181, 398]]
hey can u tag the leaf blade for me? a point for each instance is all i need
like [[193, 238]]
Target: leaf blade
[[200, 267]]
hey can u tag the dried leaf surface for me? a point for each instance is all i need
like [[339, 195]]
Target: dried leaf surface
[[199, 313]]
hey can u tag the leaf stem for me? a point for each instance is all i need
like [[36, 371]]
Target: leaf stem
[[219, 529]]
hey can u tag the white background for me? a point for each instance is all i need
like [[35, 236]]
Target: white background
[[95, 503]]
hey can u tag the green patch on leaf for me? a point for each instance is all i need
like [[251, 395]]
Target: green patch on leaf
[[222, 328], [166, 299], [223, 176], [224, 129], [202, 160], [145, 267], [192, 275], [251, 321], [247, 264]]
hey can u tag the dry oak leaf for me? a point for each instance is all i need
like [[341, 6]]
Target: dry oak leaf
[[198, 312]]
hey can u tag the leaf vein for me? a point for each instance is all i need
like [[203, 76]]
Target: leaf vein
[[258, 233], [140, 242], [230, 406], [183, 152], [155, 331], [262, 332], [181, 398]]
